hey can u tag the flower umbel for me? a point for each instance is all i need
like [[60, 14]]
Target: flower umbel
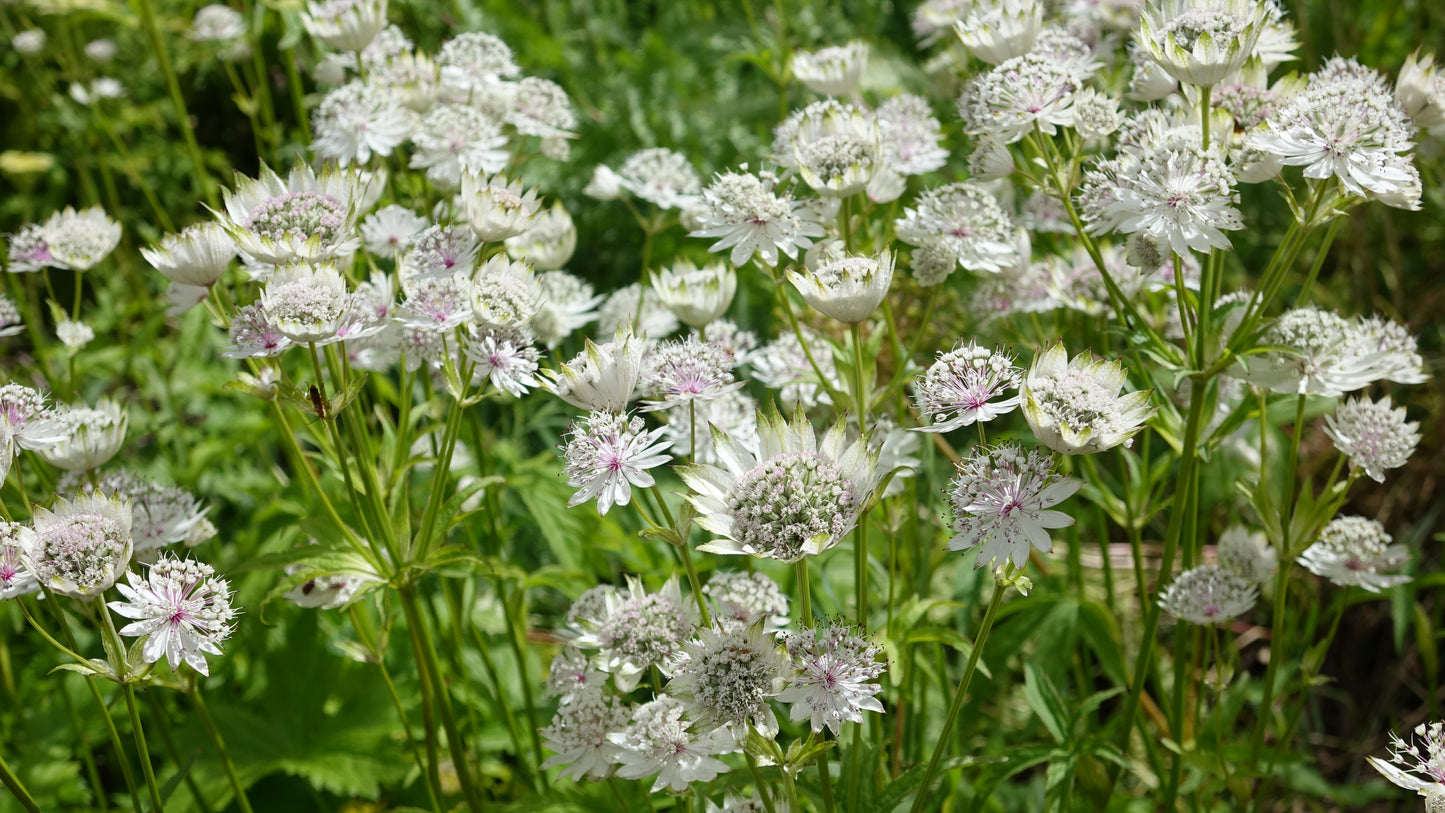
[[1001, 499], [181, 608], [608, 454]]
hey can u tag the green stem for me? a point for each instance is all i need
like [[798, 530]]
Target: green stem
[[823, 380], [692, 580], [216, 740], [203, 176], [12, 782], [805, 597], [1204, 107], [524, 674], [118, 663], [759, 787], [921, 796]]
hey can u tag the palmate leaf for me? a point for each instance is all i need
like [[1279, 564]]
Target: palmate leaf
[[318, 716]]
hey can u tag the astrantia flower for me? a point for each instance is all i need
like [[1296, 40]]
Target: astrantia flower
[[440, 251], [1203, 41], [1353, 551], [27, 249], [26, 423], [832, 686], [79, 240], [1374, 435], [346, 25], [1393, 348], [1074, 405], [1346, 124], [73, 334], [540, 107], [306, 303], [572, 675], [15, 578], [1208, 595], [580, 734], [1020, 94], [217, 23], [1001, 499], [305, 216], [748, 216], [197, 256], [911, 136], [254, 335], [846, 288], [92, 437], [607, 454], [568, 303], [505, 357], [1418, 764], [832, 71], [964, 221], [1327, 355], [1247, 555], [837, 149], [453, 138], [182, 610], [389, 231], [160, 515], [696, 295], [11, 322], [726, 675], [436, 303], [737, 343], [1002, 29], [796, 497], [648, 316], [550, 241], [79, 547], [743, 599], [1179, 194], [636, 630], [1420, 89], [662, 177], [495, 208], [356, 120], [661, 741], [687, 371], [967, 384], [475, 60], [603, 377]]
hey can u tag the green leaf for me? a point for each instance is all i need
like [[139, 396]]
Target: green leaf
[[1046, 703]]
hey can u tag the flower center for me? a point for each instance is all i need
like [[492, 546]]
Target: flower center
[[787, 500], [298, 216]]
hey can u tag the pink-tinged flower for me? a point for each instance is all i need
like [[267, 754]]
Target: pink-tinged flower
[[832, 686], [1001, 502], [968, 384], [181, 608], [661, 741], [608, 454]]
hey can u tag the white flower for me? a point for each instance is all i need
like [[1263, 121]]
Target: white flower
[[1420, 89], [540, 107], [911, 136], [475, 60], [440, 251], [1020, 94], [639, 307], [1001, 498], [751, 218], [964, 221], [304, 218], [182, 610], [783, 366], [687, 371], [1374, 435], [1246, 554], [1327, 355], [1208, 595], [29, 42], [696, 295], [832, 686], [1179, 194], [744, 599], [636, 630], [660, 741], [436, 304], [846, 288], [356, 120], [832, 71], [92, 437], [734, 412], [26, 423], [160, 515], [101, 50], [580, 735], [505, 357], [1418, 764], [389, 231], [662, 177], [346, 25], [1074, 405], [254, 335], [79, 546], [11, 322], [15, 578], [79, 240], [1203, 41], [217, 23], [966, 385], [603, 377], [495, 208], [1002, 29], [607, 454], [1353, 551], [837, 149], [27, 250], [197, 256], [72, 334], [453, 138], [306, 303], [550, 241], [796, 497], [726, 675], [568, 303]]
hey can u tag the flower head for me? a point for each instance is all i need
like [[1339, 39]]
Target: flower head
[[504, 356], [580, 735], [963, 222], [696, 295], [568, 303], [832, 685], [1325, 355], [455, 138], [967, 384], [549, 243], [1418, 763], [15, 578], [661, 741], [639, 307], [1008, 102], [662, 177], [306, 303], [1203, 41], [389, 231], [182, 610], [92, 436], [1374, 435], [1001, 499], [832, 71], [495, 208], [1354, 551], [726, 675], [846, 288], [358, 120], [690, 370], [1074, 405], [197, 256], [607, 454], [79, 240], [743, 599], [1247, 554], [1002, 29], [346, 25], [1208, 595], [796, 497], [79, 546], [304, 218], [603, 377], [749, 216], [635, 630]]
